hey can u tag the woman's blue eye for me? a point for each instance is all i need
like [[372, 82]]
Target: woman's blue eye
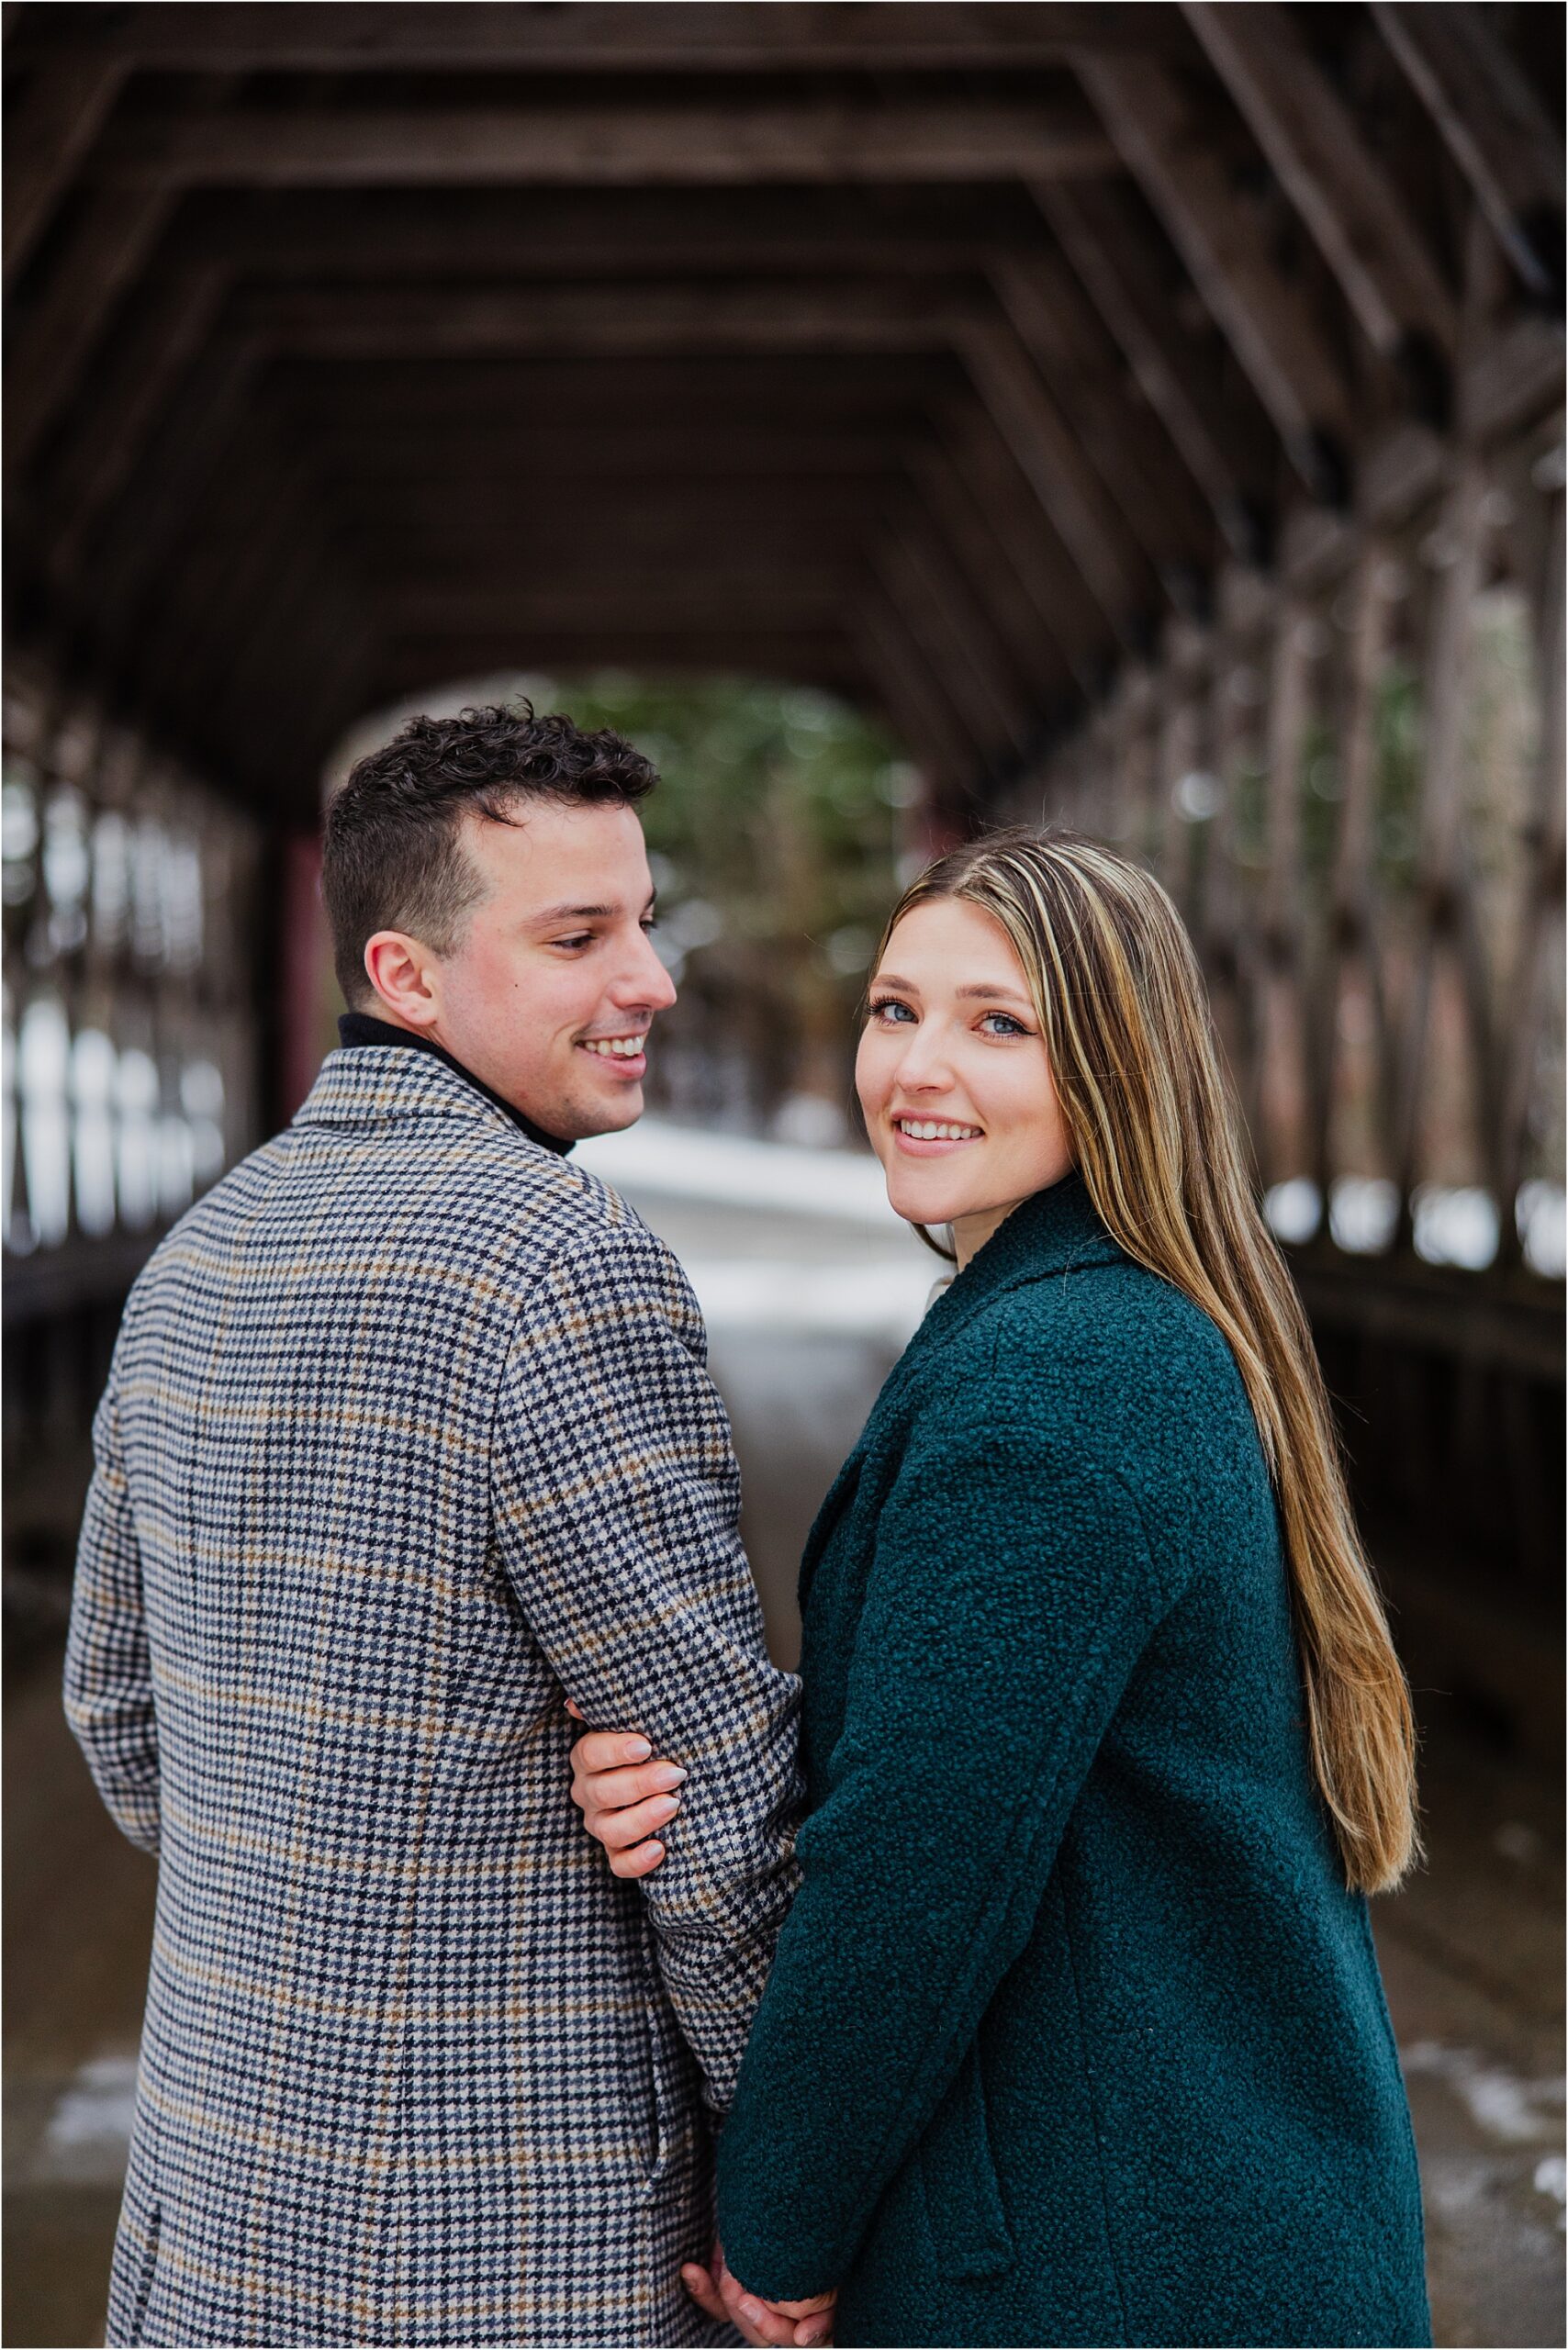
[[1010, 1026], [888, 1006]]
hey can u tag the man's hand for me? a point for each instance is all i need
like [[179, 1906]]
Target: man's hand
[[626, 1796], [778, 2325]]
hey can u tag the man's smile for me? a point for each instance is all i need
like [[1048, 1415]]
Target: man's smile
[[627, 1055]]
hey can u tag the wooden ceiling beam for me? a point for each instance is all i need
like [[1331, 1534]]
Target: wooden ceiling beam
[[115, 417], [1088, 377], [486, 508], [405, 461], [571, 231], [118, 561], [1264, 318], [914, 700], [214, 581], [1355, 212], [990, 469], [944, 481], [630, 318], [1112, 568], [64, 106], [658, 600], [1225, 450], [219, 242], [1492, 123], [370, 36], [1032, 651], [918, 582], [363, 418], [580, 141], [828, 387], [376, 322], [106, 249], [963, 585], [430, 660]]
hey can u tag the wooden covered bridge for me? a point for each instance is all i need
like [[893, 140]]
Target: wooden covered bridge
[[1154, 410]]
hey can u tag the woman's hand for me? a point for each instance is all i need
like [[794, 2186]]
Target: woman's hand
[[626, 1796], [766, 2325]]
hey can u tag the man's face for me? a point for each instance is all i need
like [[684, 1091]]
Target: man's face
[[549, 994]]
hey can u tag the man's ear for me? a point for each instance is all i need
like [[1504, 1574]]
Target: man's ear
[[405, 976]]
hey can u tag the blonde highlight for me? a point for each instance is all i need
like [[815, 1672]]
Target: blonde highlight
[[1157, 1140]]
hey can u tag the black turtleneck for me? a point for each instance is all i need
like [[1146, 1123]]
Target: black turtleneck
[[362, 1028]]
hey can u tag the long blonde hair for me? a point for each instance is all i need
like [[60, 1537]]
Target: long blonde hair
[[1157, 1140]]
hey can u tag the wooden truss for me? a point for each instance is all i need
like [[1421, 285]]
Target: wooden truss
[[1138, 403]]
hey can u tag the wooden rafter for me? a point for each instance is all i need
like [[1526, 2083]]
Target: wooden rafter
[[584, 141], [1047, 454], [577, 37], [1266, 319], [1103, 404], [1220, 445], [1492, 123], [62, 110], [1357, 215]]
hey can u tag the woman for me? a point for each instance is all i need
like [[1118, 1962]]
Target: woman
[[1075, 2032]]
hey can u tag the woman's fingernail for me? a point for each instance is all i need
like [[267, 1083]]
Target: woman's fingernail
[[667, 1806], [753, 2311], [668, 1774], [637, 1750]]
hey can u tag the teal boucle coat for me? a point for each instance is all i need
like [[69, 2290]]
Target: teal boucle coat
[[1074, 2033]]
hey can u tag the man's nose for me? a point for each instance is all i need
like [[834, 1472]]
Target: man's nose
[[645, 980]]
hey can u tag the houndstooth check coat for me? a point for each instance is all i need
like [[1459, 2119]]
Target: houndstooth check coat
[[409, 1437]]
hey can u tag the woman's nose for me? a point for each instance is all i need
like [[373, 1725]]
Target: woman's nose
[[923, 1064]]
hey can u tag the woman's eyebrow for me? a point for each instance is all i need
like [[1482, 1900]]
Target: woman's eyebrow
[[983, 988]]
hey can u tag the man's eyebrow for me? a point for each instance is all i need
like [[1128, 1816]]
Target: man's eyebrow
[[585, 914]]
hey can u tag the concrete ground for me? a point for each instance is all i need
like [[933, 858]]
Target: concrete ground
[[806, 1312]]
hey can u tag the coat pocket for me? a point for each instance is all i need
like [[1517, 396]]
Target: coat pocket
[[658, 2113], [970, 2233], [130, 2313]]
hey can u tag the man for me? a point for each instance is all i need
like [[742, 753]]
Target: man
[[408, 1440]]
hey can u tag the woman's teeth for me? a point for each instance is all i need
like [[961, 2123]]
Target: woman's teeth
[[615, 1048], [928, 1130]]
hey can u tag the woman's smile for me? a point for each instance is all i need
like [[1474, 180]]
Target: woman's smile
[[932, 1138]]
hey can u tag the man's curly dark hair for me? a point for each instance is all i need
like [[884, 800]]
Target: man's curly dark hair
[[393, 857]]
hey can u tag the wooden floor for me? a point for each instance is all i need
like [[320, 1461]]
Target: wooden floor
[[1472, 1956]]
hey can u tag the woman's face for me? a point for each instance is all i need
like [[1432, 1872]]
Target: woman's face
[[953, 1077]]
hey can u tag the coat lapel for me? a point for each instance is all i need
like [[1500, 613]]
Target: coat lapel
[[840, 1497]]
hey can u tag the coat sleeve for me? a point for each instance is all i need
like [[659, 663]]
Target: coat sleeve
[[108, 1674], [617, 1505], [1009, 1599]]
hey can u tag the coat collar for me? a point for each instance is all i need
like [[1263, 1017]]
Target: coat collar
[[1056, 1231], [367, 1085], [362, 1028]]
